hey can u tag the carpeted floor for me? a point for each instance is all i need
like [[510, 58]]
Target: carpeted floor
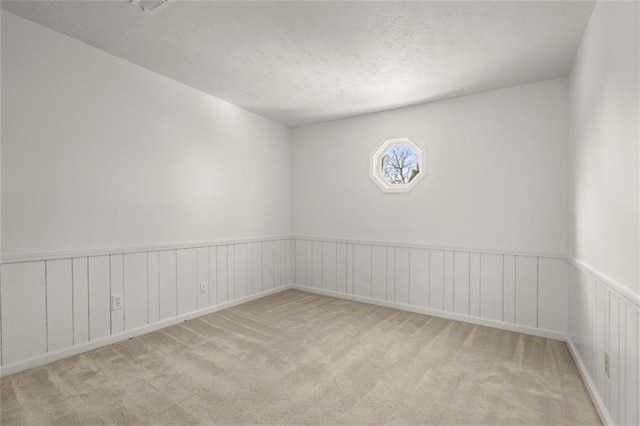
[[298, 358]]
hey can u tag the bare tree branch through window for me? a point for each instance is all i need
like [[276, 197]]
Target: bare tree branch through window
[[400, 164]]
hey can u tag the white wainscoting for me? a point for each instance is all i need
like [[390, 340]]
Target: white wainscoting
[[524, 292], [56, 306], [604, 318]]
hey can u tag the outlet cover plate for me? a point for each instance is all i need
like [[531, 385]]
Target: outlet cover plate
[[116, 301]]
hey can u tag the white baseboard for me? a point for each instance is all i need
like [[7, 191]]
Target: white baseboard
[[437, 313], [591, 387], [109, 340]]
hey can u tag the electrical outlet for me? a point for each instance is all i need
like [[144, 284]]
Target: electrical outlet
[[607, 365], [271, 272], [367, 276], [203, 288], [116, 302]]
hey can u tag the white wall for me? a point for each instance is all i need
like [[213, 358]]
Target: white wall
[[604, 292], [100, 153], [604, 145], [496, 173]]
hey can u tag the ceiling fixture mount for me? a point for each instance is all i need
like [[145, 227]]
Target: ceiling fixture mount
[[150, 6]]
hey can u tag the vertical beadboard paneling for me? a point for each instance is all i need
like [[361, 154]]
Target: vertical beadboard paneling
[[436, 279], [250, 269], [588, 339], [582, 311], [316, 266], [117, 287], [1, 350], [602, 319], [379, 272], [153, 286], [587, 320], [135, 290], [290, 262], [59, 298], [202, 265], [614, 352], [329, 266], [607, 339], [341, 267], [268, 269], [278, 249], [231, 271], [362, 270], [448, 281], [222, 274], [187, 288], [256, 269], [240, 270], [491, 274], [509, 294], [461, 282], [24, 321], [552, 294], [621, 362], [495, 286], [81, 299], [474, 284], [631, 365], [213, 275], [601, 301], [160, 285], [402, 275], [301, 262], [391, 273], [526, 290], [167, 283], [50, 306], [419, 277], [350, 272], [99, 297], [309, 279]]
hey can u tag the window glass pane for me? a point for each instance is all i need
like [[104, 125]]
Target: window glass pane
[[400, 164]]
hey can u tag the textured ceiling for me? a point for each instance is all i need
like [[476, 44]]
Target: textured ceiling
[[305, 62]]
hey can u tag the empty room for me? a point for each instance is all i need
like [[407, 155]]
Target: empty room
[[320, 212]]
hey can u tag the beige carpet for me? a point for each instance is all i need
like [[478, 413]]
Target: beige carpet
[[298, 358]]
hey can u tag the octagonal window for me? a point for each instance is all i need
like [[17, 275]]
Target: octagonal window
[[397, 165]]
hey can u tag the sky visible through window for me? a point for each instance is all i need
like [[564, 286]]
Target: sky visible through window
[[400, 164]]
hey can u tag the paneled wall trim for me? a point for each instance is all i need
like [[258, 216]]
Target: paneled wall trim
[[488, 250], [519, 291], [126, 250], [54, 307], [604, 318]]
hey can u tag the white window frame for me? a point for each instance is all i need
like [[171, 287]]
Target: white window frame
[[375, 171]]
